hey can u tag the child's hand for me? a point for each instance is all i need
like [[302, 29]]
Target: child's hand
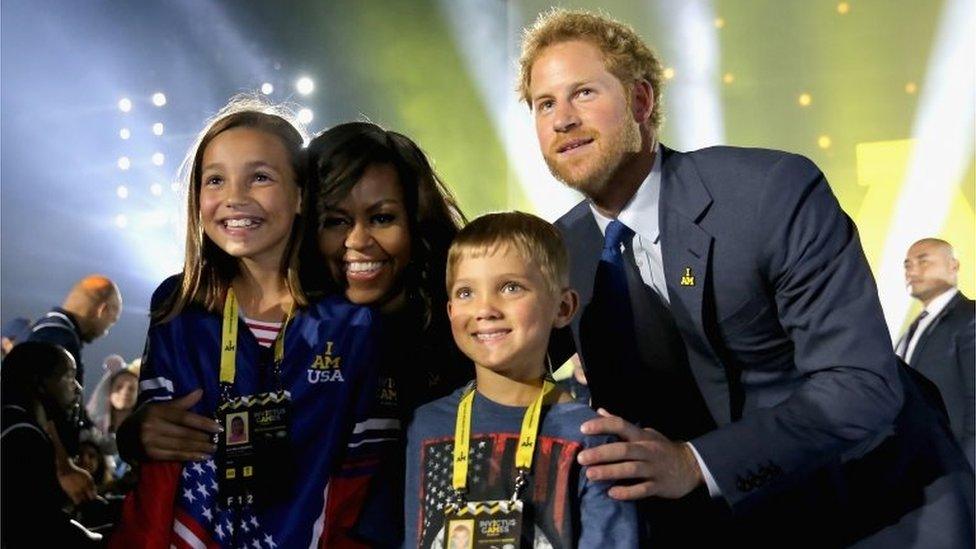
[[660, 466], [168, 431]]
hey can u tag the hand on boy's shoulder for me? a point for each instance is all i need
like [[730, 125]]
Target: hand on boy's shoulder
[[660, 467]]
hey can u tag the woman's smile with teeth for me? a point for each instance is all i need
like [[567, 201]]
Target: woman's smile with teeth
[[363, 266], [241, 223]]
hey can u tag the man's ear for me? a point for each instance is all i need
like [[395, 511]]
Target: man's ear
[[642, 100], [568, 303]]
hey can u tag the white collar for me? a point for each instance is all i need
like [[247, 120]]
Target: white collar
[[938, 303], [641, 211]]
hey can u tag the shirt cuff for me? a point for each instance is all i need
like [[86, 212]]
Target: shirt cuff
[[713, 489]]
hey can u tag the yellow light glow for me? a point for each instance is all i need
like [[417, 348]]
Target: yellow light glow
[[669, 73], [805, 99], [728, 78], [911, 88], [824, 142], [843, 8], [719, 23]]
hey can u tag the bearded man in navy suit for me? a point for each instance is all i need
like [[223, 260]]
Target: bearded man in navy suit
[[732, 331]]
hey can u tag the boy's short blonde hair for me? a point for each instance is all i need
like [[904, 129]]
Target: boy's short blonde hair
[[531, 237], [626, 55]]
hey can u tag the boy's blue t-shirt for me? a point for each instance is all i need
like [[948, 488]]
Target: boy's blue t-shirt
[[329, 369], [567, 509]]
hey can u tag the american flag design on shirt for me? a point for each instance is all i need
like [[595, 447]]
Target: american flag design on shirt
[[335, 440], [201, 521], [491, 476]]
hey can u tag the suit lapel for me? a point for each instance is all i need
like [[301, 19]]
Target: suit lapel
[[924, 337], [686, 250], [685, 246]]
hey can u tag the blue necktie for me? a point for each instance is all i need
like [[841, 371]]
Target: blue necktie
[[608, 345]]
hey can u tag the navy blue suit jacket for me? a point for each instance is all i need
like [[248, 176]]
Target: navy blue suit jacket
[[784, 334], [945, 354]]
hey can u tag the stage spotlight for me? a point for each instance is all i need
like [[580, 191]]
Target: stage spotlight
[[824, 142], [158, 158], [156, 189], [305, 116], [121, 221], [911, 88], [158, 128], [124, 163], [804, 100], [122, 191], [669, 73], [728, 78], [267, 88], [124, 133], [719, 23], [125, 105], [304, 85], [843, 8], [159, 99]]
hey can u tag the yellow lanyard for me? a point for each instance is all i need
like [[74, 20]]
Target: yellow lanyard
[[526, 440], [228, 343]]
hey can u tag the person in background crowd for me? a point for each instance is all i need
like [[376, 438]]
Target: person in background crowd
[[88, 311], [38, 383], [98, 464], [13, 331], [114, 397], [92, 306], [939, 343], [731, 325]]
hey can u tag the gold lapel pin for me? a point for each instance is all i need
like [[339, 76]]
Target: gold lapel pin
[[688, 279]]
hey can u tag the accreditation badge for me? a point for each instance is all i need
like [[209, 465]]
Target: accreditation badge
[[254, 451], [483, 525]]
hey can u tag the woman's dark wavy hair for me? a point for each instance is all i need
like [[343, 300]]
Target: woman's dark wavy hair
[[338, 158]]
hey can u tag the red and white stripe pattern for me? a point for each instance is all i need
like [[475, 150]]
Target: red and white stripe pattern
[[265, 332]]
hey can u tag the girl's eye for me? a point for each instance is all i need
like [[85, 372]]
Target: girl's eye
[[545, 105], [262, 177], [212, 181], [462, 293]]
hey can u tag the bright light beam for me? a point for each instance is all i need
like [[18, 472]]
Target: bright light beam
[[944, 149], [692, 99], [494, 77]]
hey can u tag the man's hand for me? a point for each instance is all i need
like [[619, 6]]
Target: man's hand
[[76, 483], [168, 431], [661, 467]]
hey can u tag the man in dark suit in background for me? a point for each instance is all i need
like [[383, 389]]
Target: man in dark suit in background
[[731, 324], [939, 342]]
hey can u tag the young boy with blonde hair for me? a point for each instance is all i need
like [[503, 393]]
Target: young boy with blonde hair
[[499, 456]]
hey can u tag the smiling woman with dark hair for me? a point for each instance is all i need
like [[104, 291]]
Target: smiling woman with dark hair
[[384, 223]]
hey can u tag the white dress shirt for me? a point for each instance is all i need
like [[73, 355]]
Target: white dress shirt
[[642, 215], [933, 309]]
